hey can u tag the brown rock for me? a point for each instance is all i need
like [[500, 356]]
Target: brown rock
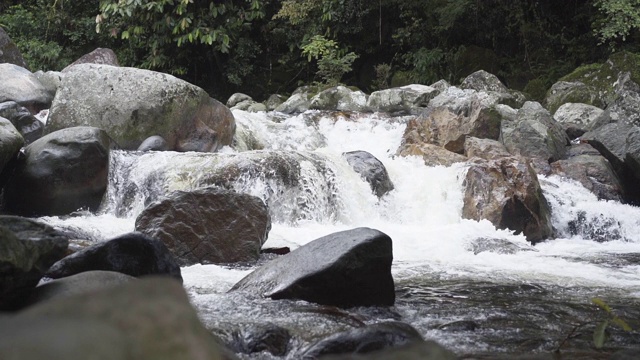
[[507, 193], [208, 225], [484, 148], [433, 155], [97, 56]]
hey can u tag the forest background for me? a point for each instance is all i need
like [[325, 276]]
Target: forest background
[[262, 47]]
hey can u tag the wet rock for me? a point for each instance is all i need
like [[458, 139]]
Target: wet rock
[[433, 155], [145, 319], [132, 104], [27, 125], [611, 141], [462, 325], [237, 98], [484, 148], [498, 246], [274, 101], [103, 56], [268, 337], [132, 254], [403, 99], [27, 249], [154, 143], [534, 134], [78, 284], [574, 116], [61, 172], [345, 269], [507, 193], [208, 225], [595, 227], [364, 340], [417, 350], [594, 172], [21, 86], [10, 142], [370, 169], [339, 98], [9, 52], [295, 104]]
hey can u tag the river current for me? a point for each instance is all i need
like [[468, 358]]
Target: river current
[[464, 283]]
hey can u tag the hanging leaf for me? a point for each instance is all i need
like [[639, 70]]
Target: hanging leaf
[[601, 304], [600, 334]]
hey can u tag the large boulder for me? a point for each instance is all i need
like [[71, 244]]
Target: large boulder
[[9, 52], [81, 283], [593, 171], [432, 155], [11, 141], [403, 99], [345, 269], [132, 254], [577, 118], [295, 104], [145, 319], [27, 125], [449, 127], [27, 249], [371, 170], [506, 192], [133, 104], [60, 173], [534, 134], [364, 340], [563, 92], [208, 225], [98, 56], [484, 81], [339, 98], [21, 86]]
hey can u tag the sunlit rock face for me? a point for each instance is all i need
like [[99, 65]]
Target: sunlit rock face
[[133, 104]]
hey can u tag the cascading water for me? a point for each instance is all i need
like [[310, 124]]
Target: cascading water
[[444, 271]]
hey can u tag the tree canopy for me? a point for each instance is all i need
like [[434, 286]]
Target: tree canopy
[[268, 46]]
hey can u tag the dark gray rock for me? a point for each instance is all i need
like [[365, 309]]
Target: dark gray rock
[[594, 172], [339, 98], [10, 142], [364, 340], [370, 169], [506, 192], [27, 249], [208, 225], [403, 99], [154, 143], [27, 125], [9, 52], [345, 269], [78, 284], [274, 101], [60, 173], [417, 350], [268, 337], [132, 104], [132, 254], [98, 56], [534, 134], [149, 318]]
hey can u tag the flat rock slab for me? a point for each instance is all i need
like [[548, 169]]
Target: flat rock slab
[[345, 269]]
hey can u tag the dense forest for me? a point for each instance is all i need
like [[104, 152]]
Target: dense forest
[[261, 47]]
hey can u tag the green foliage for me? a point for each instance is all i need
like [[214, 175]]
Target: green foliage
[[620, 18], [600, 332], [333, 62], [383, 76]]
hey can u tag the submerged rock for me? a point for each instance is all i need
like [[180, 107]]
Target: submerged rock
[[364, 340], [133, 104], [345, 269], [506, 192], [370, 169], [27, 249], [133, 254], [417, 350], [145, 319], [208, 225], [61, 172]]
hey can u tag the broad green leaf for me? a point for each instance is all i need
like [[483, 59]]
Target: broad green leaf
[[621, 323], [601, 304], [600, 335]]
